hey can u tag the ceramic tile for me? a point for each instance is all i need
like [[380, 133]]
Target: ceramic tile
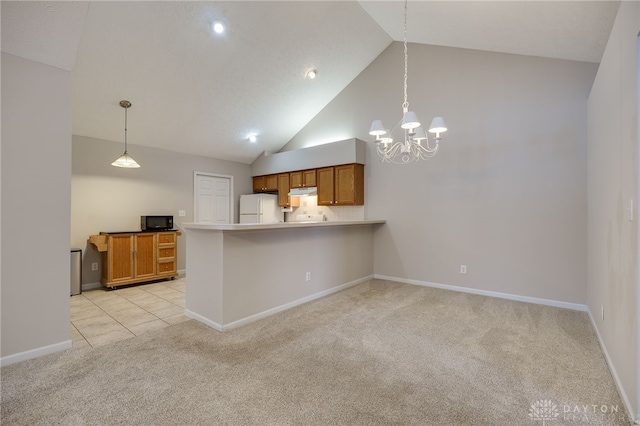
[[75, 334], [95, 326], [80, 344], [83, 312], [135, 318], [162, 291], [79, 300], [111, 337], [97, 294], [121, 306], [148, 326], [175, 319], [179, 285], [153, 304], [168, 311], [100, 317]]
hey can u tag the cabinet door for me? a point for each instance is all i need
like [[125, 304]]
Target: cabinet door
[[349, 185], [309, 178], [325, 186], [258, 184], [271, 183], [295, 179], [145, 255], [120, 258], [283, 189]]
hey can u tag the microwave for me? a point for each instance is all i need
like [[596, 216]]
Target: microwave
[[156, 223]]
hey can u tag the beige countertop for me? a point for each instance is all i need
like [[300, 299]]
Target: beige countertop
[[235, 227]]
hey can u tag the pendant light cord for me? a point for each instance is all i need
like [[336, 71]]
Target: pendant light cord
[[125, 130], [405, 105]]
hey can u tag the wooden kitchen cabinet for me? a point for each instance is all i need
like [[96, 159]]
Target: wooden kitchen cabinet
[[135, 257], [268, 183], [341, 185], [303, 179]]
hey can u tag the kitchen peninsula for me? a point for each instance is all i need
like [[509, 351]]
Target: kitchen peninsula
[[239, 273]]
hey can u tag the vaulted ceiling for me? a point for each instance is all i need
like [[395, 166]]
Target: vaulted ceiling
[[197, 92]]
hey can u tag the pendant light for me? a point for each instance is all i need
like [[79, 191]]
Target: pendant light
[[407, 141], [125, 160]]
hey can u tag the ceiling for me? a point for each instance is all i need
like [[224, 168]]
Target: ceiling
[[200, 93]]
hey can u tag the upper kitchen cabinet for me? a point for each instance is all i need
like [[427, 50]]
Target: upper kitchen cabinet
[[303, 179], [267, 183], [283, 192], [341, 185]]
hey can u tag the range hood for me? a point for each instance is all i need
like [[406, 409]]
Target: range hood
[[303, 191]]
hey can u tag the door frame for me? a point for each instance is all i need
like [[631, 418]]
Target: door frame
[[215, 175]]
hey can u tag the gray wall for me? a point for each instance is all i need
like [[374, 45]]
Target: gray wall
[[36, 170], [613, 181], [506, 195], [107, 198]]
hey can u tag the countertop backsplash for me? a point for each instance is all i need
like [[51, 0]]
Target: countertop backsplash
[[309, 205]]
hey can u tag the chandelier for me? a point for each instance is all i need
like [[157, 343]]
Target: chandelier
[[407, 141], [125, 160]]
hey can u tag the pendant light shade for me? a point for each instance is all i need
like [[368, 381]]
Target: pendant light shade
[[125, 160]]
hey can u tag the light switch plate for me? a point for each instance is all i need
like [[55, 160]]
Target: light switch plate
[[182, 213]]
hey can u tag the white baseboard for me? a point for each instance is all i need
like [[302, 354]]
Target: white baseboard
[[182, 273], [275, 310], [536, 300], [625, 398], [35, 353], [206, 321]]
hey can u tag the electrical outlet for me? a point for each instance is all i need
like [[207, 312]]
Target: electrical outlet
[[182, 213], [94, 266], [308, 276], [463, 269]]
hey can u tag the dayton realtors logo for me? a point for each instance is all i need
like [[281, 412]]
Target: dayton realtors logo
[[544, 410]]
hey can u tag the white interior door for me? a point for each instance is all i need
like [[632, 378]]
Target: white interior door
[[212, 198]]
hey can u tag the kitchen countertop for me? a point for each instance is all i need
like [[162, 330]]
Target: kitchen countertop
[[235, 227]]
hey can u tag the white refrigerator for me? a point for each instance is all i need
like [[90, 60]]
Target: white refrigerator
[[260, 208]]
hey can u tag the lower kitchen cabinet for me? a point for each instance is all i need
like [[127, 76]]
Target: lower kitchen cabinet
[[135, 257]]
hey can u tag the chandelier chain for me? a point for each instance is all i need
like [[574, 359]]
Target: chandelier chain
[[405, 105]]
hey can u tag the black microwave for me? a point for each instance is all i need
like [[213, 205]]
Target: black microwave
[[156, 223]]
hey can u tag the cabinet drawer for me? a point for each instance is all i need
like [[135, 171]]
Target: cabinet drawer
[[166, 252], [166, 267], [167, 238]]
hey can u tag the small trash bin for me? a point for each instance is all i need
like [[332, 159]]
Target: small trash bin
[[76, 271]]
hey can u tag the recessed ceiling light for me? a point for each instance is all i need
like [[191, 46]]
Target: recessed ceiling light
[[252, 138], [311, 74], [217, 27]]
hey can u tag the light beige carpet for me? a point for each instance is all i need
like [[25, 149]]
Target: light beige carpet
[[376, 354]]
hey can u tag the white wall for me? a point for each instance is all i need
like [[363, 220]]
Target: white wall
[[36, 173], [110, 199], [505, 196], [613, 181]]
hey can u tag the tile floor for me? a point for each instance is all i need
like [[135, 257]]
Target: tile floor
[[100, 317]]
